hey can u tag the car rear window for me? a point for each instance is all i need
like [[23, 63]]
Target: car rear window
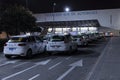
[[57, 38], [18, 39]]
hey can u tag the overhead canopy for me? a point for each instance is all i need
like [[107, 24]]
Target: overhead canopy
[[78, 23]]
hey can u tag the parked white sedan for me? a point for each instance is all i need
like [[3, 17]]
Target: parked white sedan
[[60, 43], [80, 40], [23, 45]]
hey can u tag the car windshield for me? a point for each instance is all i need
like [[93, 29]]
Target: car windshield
[[18, 39], [57, 38]]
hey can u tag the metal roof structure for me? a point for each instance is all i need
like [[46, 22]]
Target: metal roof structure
[[78, 23]]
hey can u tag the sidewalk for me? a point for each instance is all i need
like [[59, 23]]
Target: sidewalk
[[108, 65]]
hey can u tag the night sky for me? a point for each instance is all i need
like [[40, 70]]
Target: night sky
[[46, 6]]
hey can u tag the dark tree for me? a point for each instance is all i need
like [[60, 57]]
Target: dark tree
[[1, 13], [16, 19]]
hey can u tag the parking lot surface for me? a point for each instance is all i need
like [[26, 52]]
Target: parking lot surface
[[108, 64], [58, 66]]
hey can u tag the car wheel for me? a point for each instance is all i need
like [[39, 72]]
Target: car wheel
[[8, 56], [49, 53], [29, 53]]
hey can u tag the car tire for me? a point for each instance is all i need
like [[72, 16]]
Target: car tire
[[49, 53], [29, 53], [8, 56]]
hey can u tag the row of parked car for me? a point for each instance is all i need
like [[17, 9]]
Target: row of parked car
[[28, 45]]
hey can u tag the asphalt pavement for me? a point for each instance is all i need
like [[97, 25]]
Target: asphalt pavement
[[74, 66], [107, 66]]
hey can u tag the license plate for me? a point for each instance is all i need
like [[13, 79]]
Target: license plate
[[12, 49]]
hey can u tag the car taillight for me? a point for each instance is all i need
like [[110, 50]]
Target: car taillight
[[21, 44], [5, 44]]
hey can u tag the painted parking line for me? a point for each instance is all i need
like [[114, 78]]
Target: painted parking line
[[36, 64], [54, 66], [32, 78], [6, 78], [20, 64], [73, 66], [8, 62], [68, 58]]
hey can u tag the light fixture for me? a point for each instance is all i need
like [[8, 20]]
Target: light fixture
[[67, 9]]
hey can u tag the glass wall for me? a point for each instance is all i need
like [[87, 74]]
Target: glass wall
[[75, 30]]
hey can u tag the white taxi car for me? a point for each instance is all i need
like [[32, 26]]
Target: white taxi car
[[80, 40], [60, 43], [23, 45]]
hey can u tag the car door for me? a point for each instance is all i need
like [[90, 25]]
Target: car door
[[33, 44]]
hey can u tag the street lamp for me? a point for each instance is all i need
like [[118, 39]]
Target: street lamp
[[67, 9], [54, 4]]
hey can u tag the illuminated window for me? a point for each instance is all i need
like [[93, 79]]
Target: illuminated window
[[84, 28], [74, 29], [50, 29], [58, 29], [64, 29], [92, 29]]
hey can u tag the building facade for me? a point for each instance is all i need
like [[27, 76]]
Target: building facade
[[107, 20]]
